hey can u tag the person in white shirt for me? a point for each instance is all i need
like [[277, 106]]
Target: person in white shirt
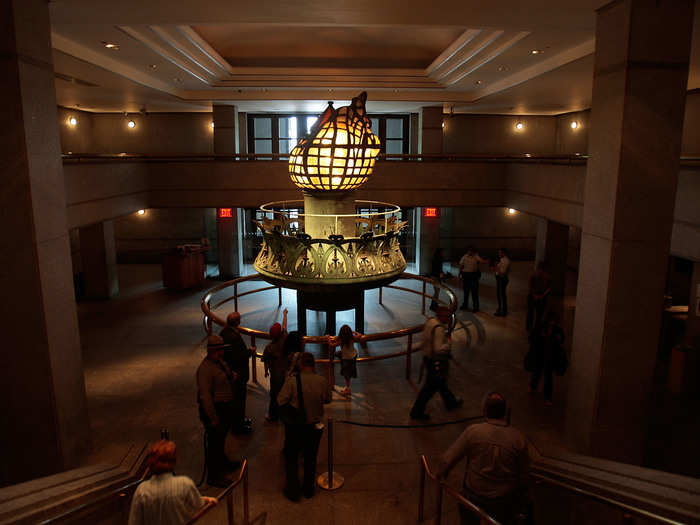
[[165, 497], [502, 271], [470, 275], [436, 356]]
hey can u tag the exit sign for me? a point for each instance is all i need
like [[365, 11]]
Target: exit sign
[[225, 213], [431, 212]]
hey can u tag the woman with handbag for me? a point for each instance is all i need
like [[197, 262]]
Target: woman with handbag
[[547, 355]]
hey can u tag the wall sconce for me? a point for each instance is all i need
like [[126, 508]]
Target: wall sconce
[[519, 126], [574, 124], [131, 124], [212, 124], [512, 211], [72, 121]]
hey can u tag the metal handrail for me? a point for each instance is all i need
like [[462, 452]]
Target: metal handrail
[[228, 495], [268, 208], [609, 501], [442, 486]]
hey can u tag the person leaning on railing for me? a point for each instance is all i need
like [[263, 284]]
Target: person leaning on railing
[[165, 497], [497, 465]]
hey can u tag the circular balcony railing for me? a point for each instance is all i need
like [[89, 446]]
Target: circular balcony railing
[[290, 256], [226, 293]]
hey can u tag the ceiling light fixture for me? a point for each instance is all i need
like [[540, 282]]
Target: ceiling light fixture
[[478, 82], [153, 66], [536, 52], [511, 211], [141, 212], [574, 124], [131, 124], [73, 121], [111, 45], [212, 124], [503, 68], [519, 126]]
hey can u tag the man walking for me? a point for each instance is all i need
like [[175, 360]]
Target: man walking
[[497, 464], [502, 270], [215, 382], [237, 356], [436, 356], [540, 285], [305, 393]]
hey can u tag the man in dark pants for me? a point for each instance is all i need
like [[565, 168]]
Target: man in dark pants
[[237, 356], [436, 350], [215, 395], [540, 284], [303, 437], [502, 270], [470, 275]]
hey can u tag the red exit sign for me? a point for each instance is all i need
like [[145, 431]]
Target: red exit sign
[[431, 212], [225, 213]]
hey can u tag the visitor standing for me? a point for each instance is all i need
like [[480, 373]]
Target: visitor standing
[[237, 356], [470, 275], [502, 270], [348, 356], [547, 345], [539, 287], [437, 275], [305, 394], [276, 363]]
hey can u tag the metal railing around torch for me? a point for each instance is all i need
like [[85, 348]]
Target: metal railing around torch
[[210, 318]]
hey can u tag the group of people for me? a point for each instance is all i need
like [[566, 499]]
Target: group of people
[[470, 274]]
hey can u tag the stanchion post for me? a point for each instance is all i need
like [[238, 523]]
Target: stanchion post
[[409, 347], [380, 294], [438, 503], [330, 480], [422, 308], [421, 491], [235, 296], [253, 362], [246, 504], [279, 295], [229, 508]]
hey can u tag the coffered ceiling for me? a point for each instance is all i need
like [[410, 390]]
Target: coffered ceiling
[[470, 55]]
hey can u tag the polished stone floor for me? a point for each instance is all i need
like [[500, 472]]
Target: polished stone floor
[[141, 351]]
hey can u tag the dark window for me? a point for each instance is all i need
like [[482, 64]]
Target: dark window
[[280, 133]]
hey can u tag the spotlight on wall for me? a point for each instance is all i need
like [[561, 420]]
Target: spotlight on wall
[[141, 212], [111, 45], [574, 124], [511, 211], [519, 126], [131, 124], [73, 121], [443, 124], [212, 124], [536, 52]]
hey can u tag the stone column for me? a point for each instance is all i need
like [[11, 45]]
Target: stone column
[[552, 247], [429, 240], [640, 81], [99, 258], [44, 415], [225, 130], [228, 249]]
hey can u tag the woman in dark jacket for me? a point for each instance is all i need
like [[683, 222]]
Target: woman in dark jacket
[[547, 347]]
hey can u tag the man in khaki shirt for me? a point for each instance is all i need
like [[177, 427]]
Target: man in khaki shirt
[[497, 464], [303, 437]]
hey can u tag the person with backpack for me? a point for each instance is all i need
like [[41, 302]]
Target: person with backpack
[[301, 403], [436, 356]]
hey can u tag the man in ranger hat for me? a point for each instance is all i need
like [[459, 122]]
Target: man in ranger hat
[[215, 384], [237, 356]]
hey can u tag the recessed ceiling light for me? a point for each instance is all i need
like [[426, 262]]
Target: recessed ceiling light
[[511, 211], [535, 51], [131, 124], [503, 68], [153, 66], [177, 79], [212, 124], [477, 82], [111, 45], [519, 126], [574, 124], [141, 212], [73, 121]]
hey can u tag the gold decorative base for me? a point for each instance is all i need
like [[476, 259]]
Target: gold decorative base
[[338, 481]]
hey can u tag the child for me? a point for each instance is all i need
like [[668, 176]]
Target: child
[[348, 356]]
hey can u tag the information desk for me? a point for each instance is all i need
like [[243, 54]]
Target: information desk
[[185, 267]]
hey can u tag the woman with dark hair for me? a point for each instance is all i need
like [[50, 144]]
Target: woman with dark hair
[[348, 356], [293, 347], [165, 497]]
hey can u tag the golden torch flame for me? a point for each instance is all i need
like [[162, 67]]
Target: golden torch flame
[[339, 153]]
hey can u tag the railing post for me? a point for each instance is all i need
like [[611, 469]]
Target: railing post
[[246, 516], [421, 491], [409, 347], [380, 294], [422, 308], [279, 295], [330, 480], [229, 508], [438, 503], [253, 362], [235, 296]]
